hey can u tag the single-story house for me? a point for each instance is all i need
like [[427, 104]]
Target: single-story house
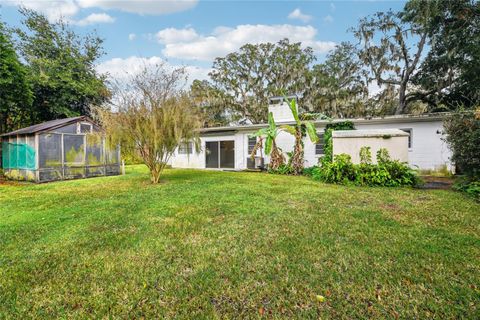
[[58, 149], [230, 147]]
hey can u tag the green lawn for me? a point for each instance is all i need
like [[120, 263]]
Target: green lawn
[[207, 244]]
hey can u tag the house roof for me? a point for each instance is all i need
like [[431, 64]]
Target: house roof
[[404, 118], [44, 126]]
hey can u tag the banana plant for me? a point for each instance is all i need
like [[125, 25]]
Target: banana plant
[[269, 135], [298, 131]]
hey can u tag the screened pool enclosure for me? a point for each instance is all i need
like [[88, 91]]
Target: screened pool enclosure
[[58, 150]]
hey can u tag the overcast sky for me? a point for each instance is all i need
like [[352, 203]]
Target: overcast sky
[[193, 33]]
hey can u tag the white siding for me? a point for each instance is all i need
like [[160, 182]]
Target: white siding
[[428, 150]]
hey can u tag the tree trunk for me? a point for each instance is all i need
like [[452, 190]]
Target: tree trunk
[[276, 157], [402, 99], [298, 156]]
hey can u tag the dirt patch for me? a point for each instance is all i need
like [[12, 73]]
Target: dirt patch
[[432, 182]]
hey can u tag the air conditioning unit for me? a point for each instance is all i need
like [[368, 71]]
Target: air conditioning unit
[[256, 163]]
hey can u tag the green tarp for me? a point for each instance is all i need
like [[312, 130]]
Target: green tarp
[[18, 156]]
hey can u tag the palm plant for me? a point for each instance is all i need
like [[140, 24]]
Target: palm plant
[[269, 135], [298, 131]]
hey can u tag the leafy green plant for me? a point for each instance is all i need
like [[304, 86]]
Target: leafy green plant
[[365, 155], [389, 173], [341, 170], [284, 169], [383, 155], [309, 171], [463, 135], [269, 134], [470, 187], [327, 137], [298, 131]]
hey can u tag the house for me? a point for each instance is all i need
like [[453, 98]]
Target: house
[[57, 150], [230, 147]]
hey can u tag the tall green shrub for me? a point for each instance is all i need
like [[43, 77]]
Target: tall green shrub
[[327, 137], [462, 131]]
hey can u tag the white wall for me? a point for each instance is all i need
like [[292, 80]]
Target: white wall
[[397, 147], [197, 160], [428, 151]]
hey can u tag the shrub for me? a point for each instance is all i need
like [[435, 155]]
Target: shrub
[[327, 137], [282, 169], [365, 155], [470, 187], [309, 171], [340, 170], [387, 172], [463, 136]]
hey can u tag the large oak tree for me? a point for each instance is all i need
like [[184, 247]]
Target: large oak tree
[[256, 72]]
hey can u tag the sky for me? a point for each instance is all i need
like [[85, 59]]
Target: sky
[[192, 33]]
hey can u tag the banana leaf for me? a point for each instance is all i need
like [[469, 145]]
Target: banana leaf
[[288, 128], [311, 131], [268, 145]]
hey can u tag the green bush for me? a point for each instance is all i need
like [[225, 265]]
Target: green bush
[[340, 170], [282, 169], [470, 187], [309, 171], [327, 137], [387, 172], [463, 135]]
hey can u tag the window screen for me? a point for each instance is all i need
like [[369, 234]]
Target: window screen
[[185, 148], [71, 128], [50, 150], [409, 131], [95, 156], [74, 149], [252, 141], [112, 156], [320, 146], [85, 128]]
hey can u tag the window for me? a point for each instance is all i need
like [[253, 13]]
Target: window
[[85, 128], [252, 141], [320, 146], [185, 148], [409, 131]]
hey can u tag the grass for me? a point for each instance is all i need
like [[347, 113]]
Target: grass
[[207, 244]]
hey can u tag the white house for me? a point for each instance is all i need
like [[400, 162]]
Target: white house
[[229, 147]]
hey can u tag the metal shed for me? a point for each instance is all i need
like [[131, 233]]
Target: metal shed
[[58, 150]]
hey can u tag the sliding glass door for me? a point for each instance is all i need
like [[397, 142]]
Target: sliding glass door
[[220, 154], [211, 150]]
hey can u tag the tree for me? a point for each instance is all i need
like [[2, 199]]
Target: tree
[[154, 117], [298, 131], [15, 91], [269, 135], [450, 72], [339, 85], [256, 72], [384, 49], [462, 133], [61, 68], [210, 101]]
